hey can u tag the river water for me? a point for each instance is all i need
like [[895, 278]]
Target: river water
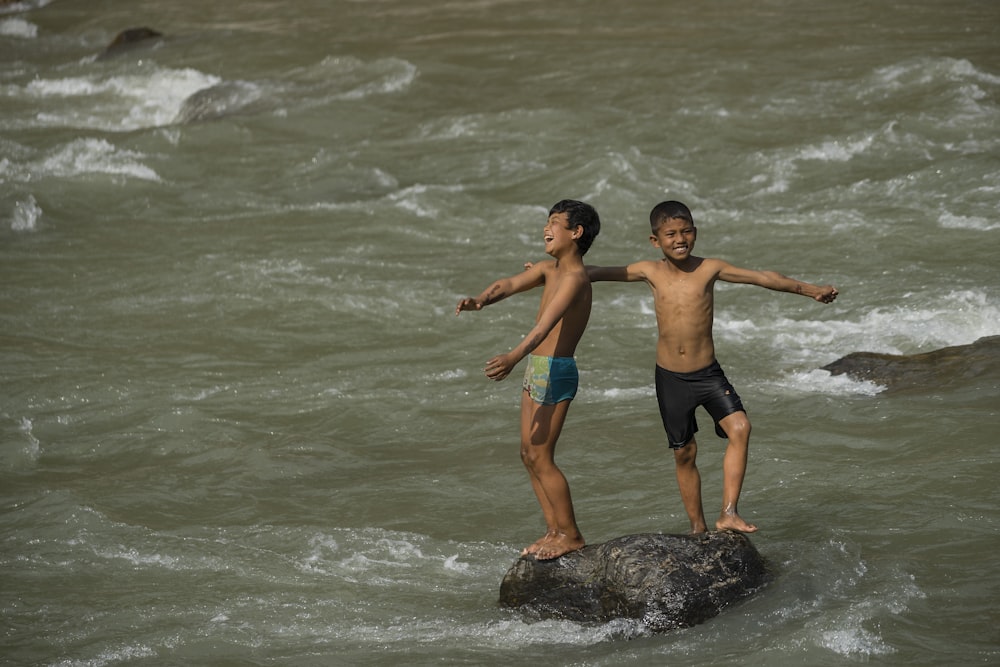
[[240, 423]]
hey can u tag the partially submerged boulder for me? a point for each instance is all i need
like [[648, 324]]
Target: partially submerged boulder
[[663, 581], [128, 39], [949, 365]]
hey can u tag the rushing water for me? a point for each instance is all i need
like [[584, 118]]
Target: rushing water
[[240, 424]]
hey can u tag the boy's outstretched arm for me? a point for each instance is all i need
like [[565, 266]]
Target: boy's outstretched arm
[[778, 282], [614, 273], [502, 288]]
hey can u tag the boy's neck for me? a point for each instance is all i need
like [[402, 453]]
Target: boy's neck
[[570, 259], [688, 264]]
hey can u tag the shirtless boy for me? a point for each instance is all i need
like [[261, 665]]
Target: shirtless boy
[[551, 377], [687, 372]]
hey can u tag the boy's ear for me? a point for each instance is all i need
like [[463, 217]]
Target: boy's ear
[[654, 241], [578, 232]]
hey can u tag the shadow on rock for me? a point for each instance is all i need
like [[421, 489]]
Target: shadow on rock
[[663, 581]]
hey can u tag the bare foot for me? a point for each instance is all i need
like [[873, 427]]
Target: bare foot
[[559, 545], [733, 521], [537, 544]]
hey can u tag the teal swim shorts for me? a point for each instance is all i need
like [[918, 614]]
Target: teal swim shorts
[[551, 380]]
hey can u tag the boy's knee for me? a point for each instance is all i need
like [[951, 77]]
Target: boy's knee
[[736, 426], [526, 456], [531, 457], [686, 455]]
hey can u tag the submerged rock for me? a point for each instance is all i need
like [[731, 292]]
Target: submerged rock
[[218, 101], [664, 581], [947, 366], [127, 40]]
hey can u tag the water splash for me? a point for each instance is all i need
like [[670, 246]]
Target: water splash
[[26, 215]]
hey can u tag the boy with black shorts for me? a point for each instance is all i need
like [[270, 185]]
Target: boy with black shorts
[[687, 372]]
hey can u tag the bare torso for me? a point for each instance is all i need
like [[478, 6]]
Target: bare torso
[[565, 335], [684, 302]]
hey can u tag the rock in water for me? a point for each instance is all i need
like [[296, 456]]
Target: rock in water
[[664, 581], [129, 39], [959, 365]]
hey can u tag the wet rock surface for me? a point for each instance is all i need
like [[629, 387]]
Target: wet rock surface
[[129, 39], [664, 581], [948, 366]]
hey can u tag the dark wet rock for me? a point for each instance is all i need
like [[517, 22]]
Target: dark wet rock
[[663, 581], [948, 366], [127, 40]]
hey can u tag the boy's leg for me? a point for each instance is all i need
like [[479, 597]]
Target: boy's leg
[[734, 466], [689, 481], [528, 410], [540, 429]]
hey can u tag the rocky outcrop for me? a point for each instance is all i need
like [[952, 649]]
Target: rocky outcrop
[[127, 40], [663, 581], [948, 366]]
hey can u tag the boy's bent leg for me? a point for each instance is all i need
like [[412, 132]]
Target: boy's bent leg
[[541, 426], [689, 482], [734, 466]]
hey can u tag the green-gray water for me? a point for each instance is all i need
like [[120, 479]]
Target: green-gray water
[[240, 423]]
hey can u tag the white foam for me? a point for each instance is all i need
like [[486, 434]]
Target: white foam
[[952, 221], [34, 447], [854, 641], [820, 381], [135, 557], [850, 637], [920, 323], [837, 151], [953, 318], [627, 393], [385, 76], [94, 156], [24, 6], [452, 563], [505, 633], [26, 215], [121, 102], [922, 71], [18, 28], [419, 199], [112, 656]]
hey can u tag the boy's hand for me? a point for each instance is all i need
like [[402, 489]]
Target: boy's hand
[[499, 367], [468, 303], [827, 293]]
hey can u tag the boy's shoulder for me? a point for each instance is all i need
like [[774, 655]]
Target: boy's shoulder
[[542, 266], [647, 264]]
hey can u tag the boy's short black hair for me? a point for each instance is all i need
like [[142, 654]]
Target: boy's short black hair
[[668, 210], [580, 214]]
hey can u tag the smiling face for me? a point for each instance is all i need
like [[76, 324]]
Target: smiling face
[[675, 237], [558, 237]]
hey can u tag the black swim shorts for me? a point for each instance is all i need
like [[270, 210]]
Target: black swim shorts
[[680, 393]]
